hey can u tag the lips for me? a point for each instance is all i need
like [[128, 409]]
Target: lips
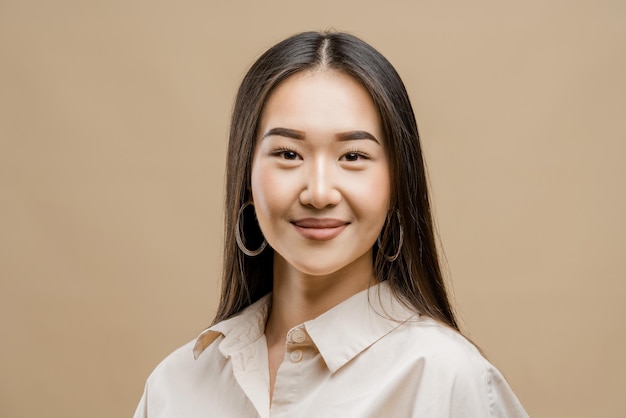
[[320, 229]]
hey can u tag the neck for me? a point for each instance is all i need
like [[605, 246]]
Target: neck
[[298, 297]]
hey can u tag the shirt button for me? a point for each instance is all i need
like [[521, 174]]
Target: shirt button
[[295, 356], [298, 336]]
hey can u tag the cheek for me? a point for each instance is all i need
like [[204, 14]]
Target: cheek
[[270, 191], [382, 183], [374, 193]]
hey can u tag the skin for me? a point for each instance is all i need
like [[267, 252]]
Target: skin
[[321, 190]]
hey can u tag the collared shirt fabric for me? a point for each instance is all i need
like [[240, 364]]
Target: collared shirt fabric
[[369, 356]]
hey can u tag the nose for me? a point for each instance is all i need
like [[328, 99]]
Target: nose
[[320, 188]]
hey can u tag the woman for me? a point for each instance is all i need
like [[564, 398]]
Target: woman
[[333, 302]]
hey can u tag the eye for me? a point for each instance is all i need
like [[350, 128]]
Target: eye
[[289, 155], [286, 154], [353, 156]]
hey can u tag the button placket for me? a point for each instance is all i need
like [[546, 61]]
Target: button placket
[[296, 356], [296, 342], [298, 336]]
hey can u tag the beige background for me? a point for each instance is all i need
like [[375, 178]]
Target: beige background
[[113, 125]]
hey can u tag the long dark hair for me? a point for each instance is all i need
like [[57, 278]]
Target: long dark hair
[[415, 276]]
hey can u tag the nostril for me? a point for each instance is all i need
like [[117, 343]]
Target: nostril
[[320, 199], [320, 189]]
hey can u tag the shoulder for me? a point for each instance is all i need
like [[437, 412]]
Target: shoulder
[[435, 349], [179, 375], [449, 362], [440, 343], [181, 366], [181, 385], [179, 360]]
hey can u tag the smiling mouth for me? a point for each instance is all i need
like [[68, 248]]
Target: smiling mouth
[[320, 229]]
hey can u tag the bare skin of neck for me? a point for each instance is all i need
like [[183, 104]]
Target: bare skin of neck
[[298, 297]]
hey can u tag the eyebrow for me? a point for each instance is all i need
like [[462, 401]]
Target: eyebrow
[[355, 135], [288, 133], [343, 136]]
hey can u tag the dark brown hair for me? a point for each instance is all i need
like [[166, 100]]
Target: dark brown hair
[[415, 276]]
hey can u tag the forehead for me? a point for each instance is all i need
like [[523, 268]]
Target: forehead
[[318, 100]]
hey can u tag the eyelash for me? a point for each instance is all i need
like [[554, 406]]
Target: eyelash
[[359, 153]]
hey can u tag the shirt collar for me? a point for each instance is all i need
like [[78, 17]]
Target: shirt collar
[[347, 329], [339, 334], [240, 330]]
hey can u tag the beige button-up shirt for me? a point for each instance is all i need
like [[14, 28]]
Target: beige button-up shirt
[[369, 356]]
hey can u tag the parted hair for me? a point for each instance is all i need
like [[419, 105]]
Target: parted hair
[[415, 276]]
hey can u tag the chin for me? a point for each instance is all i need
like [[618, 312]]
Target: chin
[[313, 269], [324, 264]]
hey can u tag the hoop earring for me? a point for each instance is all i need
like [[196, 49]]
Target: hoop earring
[[392, 258], [239, 232]]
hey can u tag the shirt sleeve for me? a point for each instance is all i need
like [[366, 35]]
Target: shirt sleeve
[[502, 401], [486, 394]]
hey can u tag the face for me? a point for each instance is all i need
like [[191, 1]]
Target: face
[[320, 175]]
